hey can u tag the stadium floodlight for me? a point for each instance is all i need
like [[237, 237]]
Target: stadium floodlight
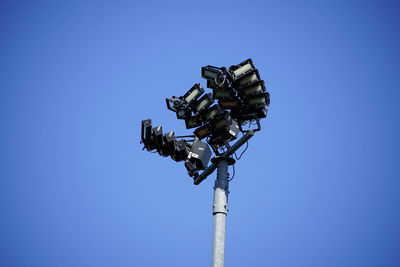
[[223, 92], [193, 94], [173, 103], [183, 113], [227, 127], [203, 103], [257, 100], [253, 88], [191, 168], [146, 131], [211, 73], [226, 130], [193, 121], [211, 113], [203, 131], [147, 138], [181, 151], [242, 68], [199, 154], [248, 78], [169, 143], [178, 106], [159, 141]]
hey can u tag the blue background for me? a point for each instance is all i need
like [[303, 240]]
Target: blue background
[[319, 186]]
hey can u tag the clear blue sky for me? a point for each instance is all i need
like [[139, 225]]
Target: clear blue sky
[[319, 186]]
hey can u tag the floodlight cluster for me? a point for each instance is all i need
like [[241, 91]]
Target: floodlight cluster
[[238, 100], [195, 153]]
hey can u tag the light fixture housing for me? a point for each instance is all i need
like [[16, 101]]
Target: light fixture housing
[[211, 84], [203, 103], [193, 94], [146, 135], [247, 79], [191, 168], [169, 143], [253, 89], [173, 103], [181, 151], [211, 113], [211, 73], [203, 131], [193, 121], [159, 141], [183, 113], [223, 92], [256, 100], [227, 130], [241, 69], [200, 154]]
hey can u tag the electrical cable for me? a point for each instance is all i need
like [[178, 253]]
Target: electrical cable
[[234, 172], [241, 154]]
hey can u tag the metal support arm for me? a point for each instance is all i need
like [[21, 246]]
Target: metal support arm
[[227, 154]]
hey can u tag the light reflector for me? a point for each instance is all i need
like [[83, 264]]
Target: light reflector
[[241, 69], [203, 131], [203, 103], [193, 93], [254, 88], [193, 121], [248, 78], [211, 113]]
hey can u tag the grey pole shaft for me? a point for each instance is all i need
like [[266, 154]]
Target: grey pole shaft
[[220, 211]]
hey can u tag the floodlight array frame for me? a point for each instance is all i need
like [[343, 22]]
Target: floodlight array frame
[[238, 98]]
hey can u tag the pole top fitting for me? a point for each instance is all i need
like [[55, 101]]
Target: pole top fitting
[[217, 159]]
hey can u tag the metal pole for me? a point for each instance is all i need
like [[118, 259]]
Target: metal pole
[[220, 210]]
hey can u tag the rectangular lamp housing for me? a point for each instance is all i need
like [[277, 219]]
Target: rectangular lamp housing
[[203, 103], [181, 151], [169, 143], [193, 94], [249, 78], [146, 135], [252, 89], [203, 131], [210, 73], [241, 69], [200, 154], [211, 113], [193, 121]]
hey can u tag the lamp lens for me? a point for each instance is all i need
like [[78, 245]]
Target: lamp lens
[[210, 74], [243, 69], [252, 89], [248, 79], [192, 95], [257, 101], [202, 104], [211, 114]]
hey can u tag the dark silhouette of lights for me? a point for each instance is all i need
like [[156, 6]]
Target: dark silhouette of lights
[[237, 103]]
